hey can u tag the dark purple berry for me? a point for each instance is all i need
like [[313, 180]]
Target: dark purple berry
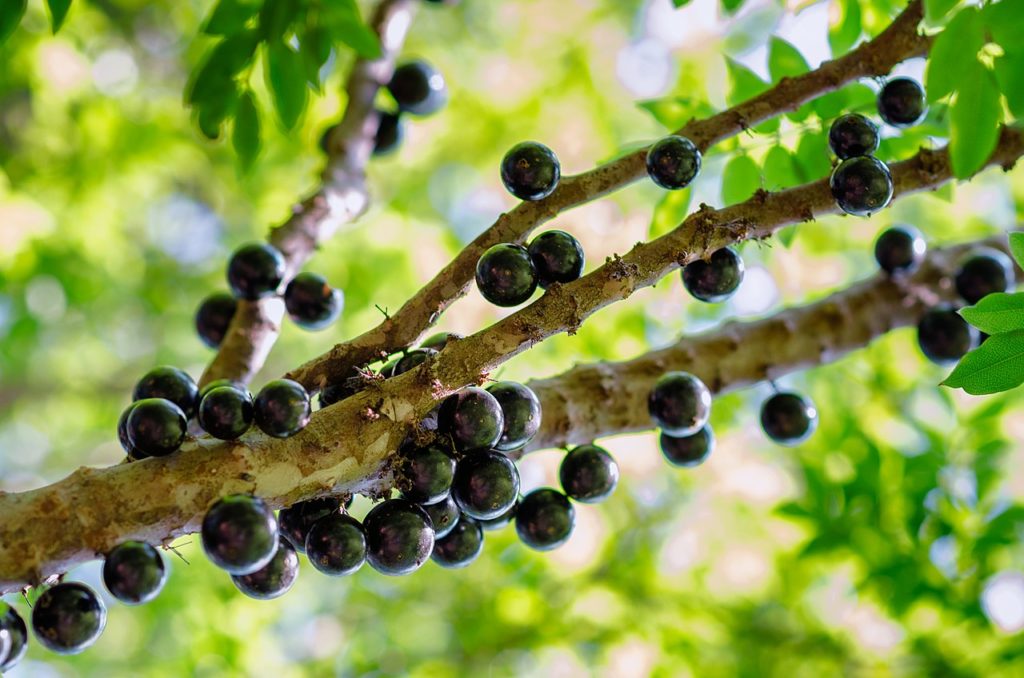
[[852, 135], [12, 623], [274, 579], [239, 534], [673, 162], [983, 272], [788, 418], [336, 545], [545, 519], [217, 383], [861, 185], [172, 384], [122, 436], [944, 336], [440, 340], [900, 250], [679, 403], [418, 88], [588, 474], [472, 418], [505, 275], [460, 546], [67, 618], [390, 132], [311, 302], [688, 451], [530, 171], [520, 410], [295, 521], [443, 515], [425, 473], [134, 572], [213, 317], [486, 484], [335, 393], [501, 521], [255, 271], [716, 279], [557, 256], [226, 412], [413, 358], [156, 427], [282, 408], [901, 103], [399, 537]]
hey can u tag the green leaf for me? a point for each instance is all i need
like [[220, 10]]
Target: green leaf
[[812, 156], [730, 6], [745, 84], [226, 60], [674, 112], [211, 113], [230, 16], [740, 178], [780, 170], [843, 35], [1017, 247], [953, 53], [245, 136], [670, 211], [1005, 23], [286, 79], [275, 18], [58, 12], [996, 313], [785, 60], [995, 366], [342, 19], [11, 12], [1009, 70], [934, 10], [974, 122], [680, 3], [315, 49], [787, 235]]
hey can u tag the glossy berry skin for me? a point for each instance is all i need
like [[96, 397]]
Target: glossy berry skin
[[172, 384], [944, 336], [425, 473], [679, 403], [460, 546], [852, 135], [521, 412], [715, 280], [472, 418], [688, 451], [901, 103], [440, 340], [214, 316], [239, 534], [255, 271], [156, 427], [311, 302], [122, 435], [486, 484], [274, 579], [336, 545], [861, 185], [67, 618], [673, 162], [505, 275], [984, 271], [14, 625], [399, 537], [588, 474], [217, 383], [545, 519], [444, 515], [501, 521], [413, 358], [226, 412], [282, 408], [530, 171], [295, 521], [418, 88], [557, 256], [390, 133], [334, 393], [788, 418], [134, 572], [900, 250]]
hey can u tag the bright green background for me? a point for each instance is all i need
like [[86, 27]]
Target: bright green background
[[864, 551]]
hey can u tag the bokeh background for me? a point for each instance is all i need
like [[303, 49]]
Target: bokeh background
[[888, 544]]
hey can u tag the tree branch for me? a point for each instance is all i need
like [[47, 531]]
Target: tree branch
[[341, 199], [900, 41]]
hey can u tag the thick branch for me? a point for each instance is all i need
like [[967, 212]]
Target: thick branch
[[341, 199], [347, 446], [900, 41]]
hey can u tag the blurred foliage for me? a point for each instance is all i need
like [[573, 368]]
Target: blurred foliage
[[888, 544]]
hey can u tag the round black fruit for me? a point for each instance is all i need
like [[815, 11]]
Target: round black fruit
[[861, 185], [716, 279], [336, 545], [852, 135], [217, 383], [226, 412], [274, 579], [134, 572], [472, 418], [239, 534], [557, 256], [68, 618], [545, 519], [460, 546], [295, 521], [425, 473], [901, 103], [688, 451], [214, 316], [156, 427], [255, 271], [984, 271], [520, 410], [413, 358], [14, 625], [673, 162], [124, 439], [172, 384], [679, 403], [505, 275], [399, 537], [944, 336], [443, 515], [588, 474], [788, 418], [282, 408], [501, 521], [486, 484], [900, 250], [333, 393], [440, 340], [530, 171], [418, 88], [390, 133], [311, 302]]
